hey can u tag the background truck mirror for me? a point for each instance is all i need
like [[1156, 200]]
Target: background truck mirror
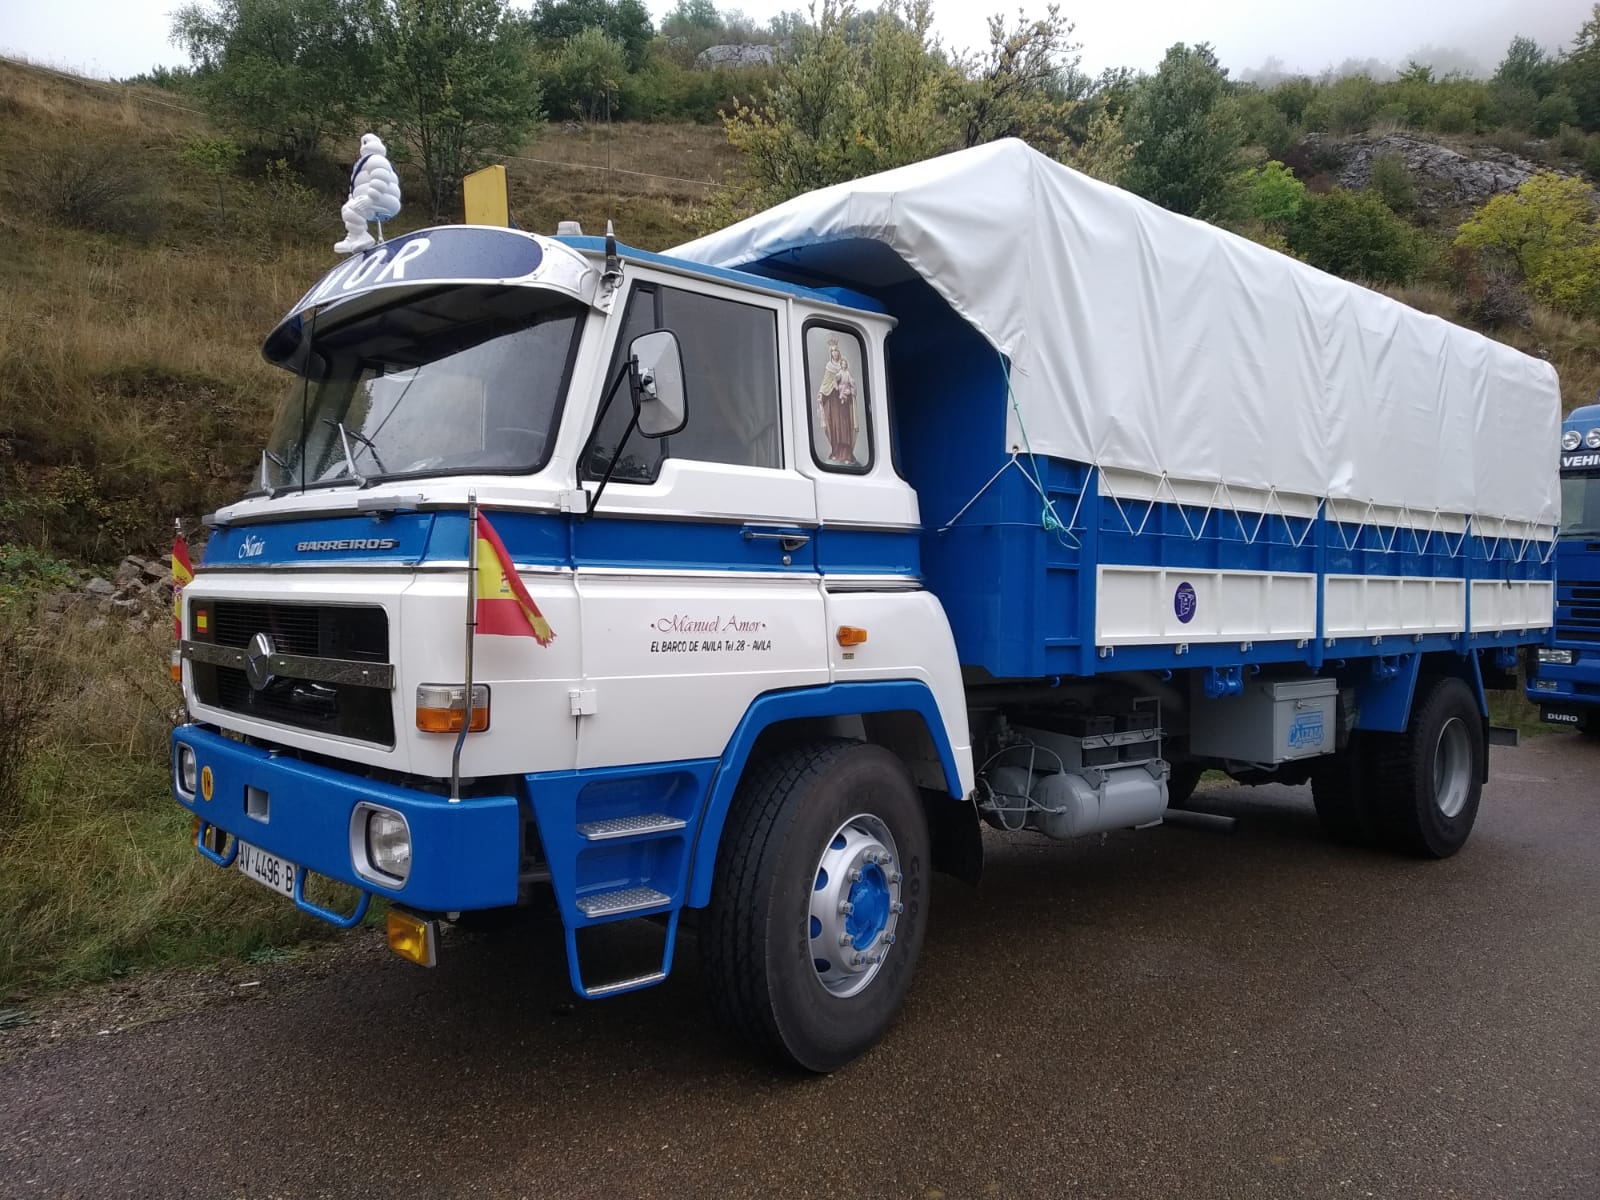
[[658, 392]]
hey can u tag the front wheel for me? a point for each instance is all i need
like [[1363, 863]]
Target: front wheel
[[819, 903]]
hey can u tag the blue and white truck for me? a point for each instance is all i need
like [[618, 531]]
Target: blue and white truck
[[977, 493], [1564, 674]]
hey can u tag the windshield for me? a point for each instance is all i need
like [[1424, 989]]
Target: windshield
[[455, 380], [1580, 505]]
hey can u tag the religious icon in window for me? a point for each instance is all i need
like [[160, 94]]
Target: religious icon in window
[[838, 429]]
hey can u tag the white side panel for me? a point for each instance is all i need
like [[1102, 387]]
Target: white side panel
[[1142, 606], [1389, 606], [675, 660], [1514, 604], [908, 637]]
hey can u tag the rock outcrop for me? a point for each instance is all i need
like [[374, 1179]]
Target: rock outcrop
[[1444, 178], [736, 56]]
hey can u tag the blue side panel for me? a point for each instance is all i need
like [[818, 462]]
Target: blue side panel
[[839, 699], [868, 551], [579, 867]]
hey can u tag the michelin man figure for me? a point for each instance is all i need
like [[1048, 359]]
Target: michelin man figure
[[374, 196]]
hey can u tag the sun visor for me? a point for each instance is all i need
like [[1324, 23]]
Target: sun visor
[[425, 261]]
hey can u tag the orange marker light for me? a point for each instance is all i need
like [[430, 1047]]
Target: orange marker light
[[441, 708], [851, 635]]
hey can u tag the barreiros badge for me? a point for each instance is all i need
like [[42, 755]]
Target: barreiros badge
[[1185, 602]]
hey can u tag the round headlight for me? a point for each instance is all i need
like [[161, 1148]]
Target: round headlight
[[1593, 440], [1571, 440], [187, 769]]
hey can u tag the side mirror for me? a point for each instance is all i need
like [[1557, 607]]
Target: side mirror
[[658, 393]]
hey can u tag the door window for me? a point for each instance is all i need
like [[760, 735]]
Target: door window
[[730, 367]]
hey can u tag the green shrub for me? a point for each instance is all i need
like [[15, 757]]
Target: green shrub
[[1392, 183], [1454, 117], [1346, 105], [1556, 110], [1354, 234]]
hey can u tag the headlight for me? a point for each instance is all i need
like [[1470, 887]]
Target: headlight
[[1571, 440], [1561, 658], [388, 844], [1593, 440], [187, 769]]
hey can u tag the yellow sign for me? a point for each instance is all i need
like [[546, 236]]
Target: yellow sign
[[488, 202], [207, 783]]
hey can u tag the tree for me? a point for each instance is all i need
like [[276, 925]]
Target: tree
[[1547, 233], [1188, 133], [867, 92], [457, 86], [1102, 151], [1526, 65], [856, 97], [283, 74], [587, 74], [1354, 234], [1007, 91], [555, 22], [1579, 72]]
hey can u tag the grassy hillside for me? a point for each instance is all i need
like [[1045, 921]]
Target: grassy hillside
[[132, 391], [137, 287]]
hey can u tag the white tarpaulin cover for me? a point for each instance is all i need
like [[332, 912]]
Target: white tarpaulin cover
[[1150, 342]]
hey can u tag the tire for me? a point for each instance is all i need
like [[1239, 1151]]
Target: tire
[[1341, 789], [1429, 779], [763, 944], [1185, 777]]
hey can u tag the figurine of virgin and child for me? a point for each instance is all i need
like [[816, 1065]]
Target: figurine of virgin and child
[[836, 401]]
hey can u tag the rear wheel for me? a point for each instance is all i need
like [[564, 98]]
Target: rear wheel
[[1185, 777], [819, 903], [1341, 789], [1429, 779]]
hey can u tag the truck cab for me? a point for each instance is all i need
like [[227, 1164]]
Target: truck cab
[[1564, 676]]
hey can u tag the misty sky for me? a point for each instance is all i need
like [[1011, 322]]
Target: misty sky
[[122, 37]]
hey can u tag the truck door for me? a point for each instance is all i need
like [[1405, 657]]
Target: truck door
[[697, 572]]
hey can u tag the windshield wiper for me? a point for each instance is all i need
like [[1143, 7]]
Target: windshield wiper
[[266, 457], [349, 459]]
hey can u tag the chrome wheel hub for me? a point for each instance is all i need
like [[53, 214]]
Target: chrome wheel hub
[[1452, 767], [855, 905]]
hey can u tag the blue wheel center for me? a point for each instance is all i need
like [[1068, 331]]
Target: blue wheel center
[[869, 907]]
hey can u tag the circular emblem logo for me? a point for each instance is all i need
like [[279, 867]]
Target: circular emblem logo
[[1184, 602], [258, 661], [207, 783]]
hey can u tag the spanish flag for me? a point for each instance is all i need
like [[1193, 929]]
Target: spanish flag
[[182, 576], [504, 606]]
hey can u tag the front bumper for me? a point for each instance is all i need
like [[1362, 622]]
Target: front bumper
[[464, 855]]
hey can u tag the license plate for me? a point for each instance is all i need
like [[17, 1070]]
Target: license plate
[[268, 869]]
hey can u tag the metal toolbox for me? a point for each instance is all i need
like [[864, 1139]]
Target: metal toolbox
[[1271, 721]]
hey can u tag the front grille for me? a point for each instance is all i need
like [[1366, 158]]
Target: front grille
[[359, 634], [1577, 612]]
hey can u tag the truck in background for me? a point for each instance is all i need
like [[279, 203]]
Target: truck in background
[[978, 493], [1564, 675]]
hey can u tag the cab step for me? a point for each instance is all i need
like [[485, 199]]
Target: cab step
[[623, 827], [623, 900], [624, 985]]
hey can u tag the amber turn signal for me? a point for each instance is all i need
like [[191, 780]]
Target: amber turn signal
[[851, 635], [412, 938], [441, 707]]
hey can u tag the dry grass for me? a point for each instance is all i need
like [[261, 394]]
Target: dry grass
[[97, 875]]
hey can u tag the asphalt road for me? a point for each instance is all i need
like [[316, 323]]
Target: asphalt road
[[1167, 1013]]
